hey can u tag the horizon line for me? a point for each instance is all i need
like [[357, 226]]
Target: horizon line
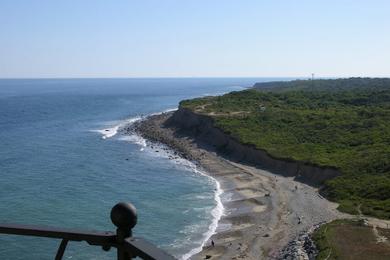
[[192, 77]]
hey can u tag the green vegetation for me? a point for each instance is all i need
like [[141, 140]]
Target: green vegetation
[[325, 84], [350, 239], [341, 123]]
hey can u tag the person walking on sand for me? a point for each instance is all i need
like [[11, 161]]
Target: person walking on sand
[[212, 243]]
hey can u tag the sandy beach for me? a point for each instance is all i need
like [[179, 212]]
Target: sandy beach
[[266, 216]]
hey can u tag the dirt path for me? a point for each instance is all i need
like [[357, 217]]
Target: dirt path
[[376, 223]]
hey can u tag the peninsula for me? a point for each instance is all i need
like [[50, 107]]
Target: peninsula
[[287, 154]]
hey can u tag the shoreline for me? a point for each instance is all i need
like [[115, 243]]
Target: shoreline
[[219, 209], [260, 221], [128, 123]]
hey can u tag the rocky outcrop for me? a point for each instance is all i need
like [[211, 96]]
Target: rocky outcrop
[[202, 128], [303, 247]]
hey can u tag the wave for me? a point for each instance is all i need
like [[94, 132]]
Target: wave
[[216, 213], [134, 139], [113, 130]]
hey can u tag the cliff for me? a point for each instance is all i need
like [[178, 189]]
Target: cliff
[[202, 128]]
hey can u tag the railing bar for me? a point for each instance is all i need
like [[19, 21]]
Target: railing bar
[[61, 249], [123, 216], [89, 236], [145, 250]]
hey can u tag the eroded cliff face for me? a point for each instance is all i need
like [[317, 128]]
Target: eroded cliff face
[[203, 129]]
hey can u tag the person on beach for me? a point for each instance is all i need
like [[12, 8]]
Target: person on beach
[[212, 243]]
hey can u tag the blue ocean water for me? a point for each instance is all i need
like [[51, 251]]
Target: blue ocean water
[[60, 167]]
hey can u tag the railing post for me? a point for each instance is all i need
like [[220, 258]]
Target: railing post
[[61, 249], [124, 217]]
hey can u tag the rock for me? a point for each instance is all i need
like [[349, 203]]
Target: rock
[[302, 247]]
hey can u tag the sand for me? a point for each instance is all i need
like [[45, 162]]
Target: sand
[[263, 211]]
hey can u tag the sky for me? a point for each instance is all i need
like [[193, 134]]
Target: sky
[[194, 38]]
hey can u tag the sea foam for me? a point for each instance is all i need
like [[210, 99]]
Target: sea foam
[[216, 213], [118, 125], [113, 130]]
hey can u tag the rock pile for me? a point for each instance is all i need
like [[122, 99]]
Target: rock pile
[[149, 128], [301, 248]]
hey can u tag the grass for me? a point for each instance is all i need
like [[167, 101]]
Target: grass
[[338, 123], [349, 239]]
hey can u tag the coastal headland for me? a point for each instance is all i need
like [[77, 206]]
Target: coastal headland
[[279, 150], [266, 215]]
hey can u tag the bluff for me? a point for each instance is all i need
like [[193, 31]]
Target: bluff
[[329, 133], [203, 128]]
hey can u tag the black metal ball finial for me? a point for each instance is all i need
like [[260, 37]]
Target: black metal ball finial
[[124, 215]]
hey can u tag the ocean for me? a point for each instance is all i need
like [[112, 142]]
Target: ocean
[[64, 162]]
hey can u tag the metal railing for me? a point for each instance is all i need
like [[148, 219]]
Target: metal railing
[[123, 216]]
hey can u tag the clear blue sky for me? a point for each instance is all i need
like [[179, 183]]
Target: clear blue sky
[[194, 38]]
